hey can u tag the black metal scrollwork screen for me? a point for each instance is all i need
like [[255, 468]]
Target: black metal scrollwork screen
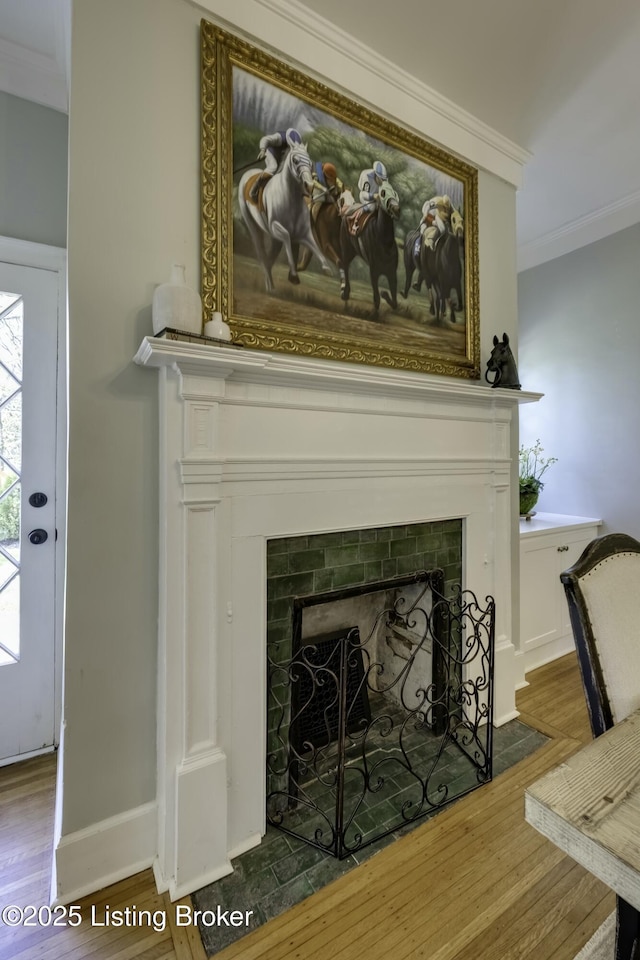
[[371, 729]]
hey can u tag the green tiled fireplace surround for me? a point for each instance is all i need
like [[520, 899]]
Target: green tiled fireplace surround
[[305, 566], [318, 563]]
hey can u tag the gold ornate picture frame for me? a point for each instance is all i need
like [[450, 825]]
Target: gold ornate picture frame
[[286, 165]]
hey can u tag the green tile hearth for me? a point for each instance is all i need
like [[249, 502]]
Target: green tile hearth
[[284, 870]]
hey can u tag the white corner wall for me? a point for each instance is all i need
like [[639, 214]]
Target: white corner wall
[[134, 210]]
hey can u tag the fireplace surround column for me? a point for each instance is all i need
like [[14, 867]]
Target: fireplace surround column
[[192, 782]]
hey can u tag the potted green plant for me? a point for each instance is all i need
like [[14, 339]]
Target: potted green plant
[[532, 468]]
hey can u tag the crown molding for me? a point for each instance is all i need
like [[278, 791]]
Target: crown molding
[[362, 73], [581, 232]]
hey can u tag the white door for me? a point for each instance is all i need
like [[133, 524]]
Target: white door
[[28, 375]]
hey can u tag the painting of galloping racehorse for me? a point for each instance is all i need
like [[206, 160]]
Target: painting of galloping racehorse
[[375, 242], [329, 231], [279, 216]]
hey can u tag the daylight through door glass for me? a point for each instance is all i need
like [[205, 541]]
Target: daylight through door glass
[[11, 336]]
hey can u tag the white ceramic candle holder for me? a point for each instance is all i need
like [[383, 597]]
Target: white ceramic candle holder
[[217, 328]]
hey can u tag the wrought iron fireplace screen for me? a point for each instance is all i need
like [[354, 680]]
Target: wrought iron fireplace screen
[[376, 724]]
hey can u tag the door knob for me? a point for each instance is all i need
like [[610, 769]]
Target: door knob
[[38, 536], [38, 499]]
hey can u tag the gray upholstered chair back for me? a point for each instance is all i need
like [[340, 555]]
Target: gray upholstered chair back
[[603, 593]]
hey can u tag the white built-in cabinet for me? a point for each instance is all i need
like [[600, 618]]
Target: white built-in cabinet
[[549, 543]]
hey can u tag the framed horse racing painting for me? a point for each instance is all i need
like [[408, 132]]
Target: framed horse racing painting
[[327, 230]]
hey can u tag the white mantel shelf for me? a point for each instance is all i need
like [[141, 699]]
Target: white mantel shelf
[[278, 369]]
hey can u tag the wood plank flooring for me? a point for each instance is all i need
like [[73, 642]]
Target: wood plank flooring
[[476, 881], [26, 840]]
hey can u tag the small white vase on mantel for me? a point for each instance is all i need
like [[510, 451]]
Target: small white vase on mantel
[[176, 305]]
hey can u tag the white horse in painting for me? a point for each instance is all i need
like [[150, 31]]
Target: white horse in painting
[[282, 217]]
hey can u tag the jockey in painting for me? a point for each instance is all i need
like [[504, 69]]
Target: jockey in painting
[[368, 184], [327, 187], [436, 219], [273, 147]]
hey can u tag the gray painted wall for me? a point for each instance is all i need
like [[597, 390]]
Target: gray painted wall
[[33, 172], [135, 172], [579, 344]]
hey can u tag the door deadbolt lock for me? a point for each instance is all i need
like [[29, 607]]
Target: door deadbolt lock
[[38, 536], [38, 499]]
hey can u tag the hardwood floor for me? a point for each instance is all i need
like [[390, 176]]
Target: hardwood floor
[[476, 881], [26, 838]]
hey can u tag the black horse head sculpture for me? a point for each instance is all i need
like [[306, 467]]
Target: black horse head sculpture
[[501, 363]]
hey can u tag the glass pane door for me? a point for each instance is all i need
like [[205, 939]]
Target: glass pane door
[[28, 425], [11, 338]]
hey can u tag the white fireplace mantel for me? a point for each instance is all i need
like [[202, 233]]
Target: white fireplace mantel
[[207, 360], [255, 445]]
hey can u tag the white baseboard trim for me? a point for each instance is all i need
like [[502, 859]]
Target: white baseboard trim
[[7, 761], [104, 853], [505, 717], [539, 656]]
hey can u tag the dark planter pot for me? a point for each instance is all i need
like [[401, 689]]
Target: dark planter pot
[[530, 490], [528, 502]]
